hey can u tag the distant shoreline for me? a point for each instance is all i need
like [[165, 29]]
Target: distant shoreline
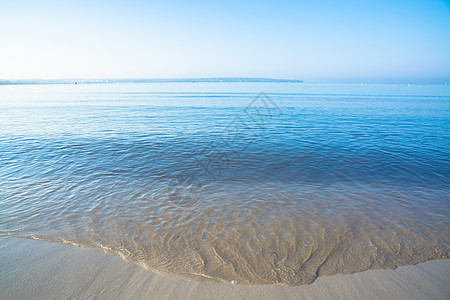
[[143, 80]]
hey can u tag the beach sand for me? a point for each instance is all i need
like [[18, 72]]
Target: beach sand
[[42, 270]]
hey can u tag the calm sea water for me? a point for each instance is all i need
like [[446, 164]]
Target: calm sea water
[[218, 181]]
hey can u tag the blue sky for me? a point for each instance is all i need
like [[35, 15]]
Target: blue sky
[[326, 41]]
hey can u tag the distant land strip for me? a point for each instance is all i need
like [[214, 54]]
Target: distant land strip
[[142, 80]]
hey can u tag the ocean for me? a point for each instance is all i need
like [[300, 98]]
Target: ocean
[[239, 182]]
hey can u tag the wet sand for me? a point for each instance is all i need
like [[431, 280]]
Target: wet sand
[[43, 270]]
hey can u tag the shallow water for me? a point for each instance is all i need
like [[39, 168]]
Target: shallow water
[[208, 180]]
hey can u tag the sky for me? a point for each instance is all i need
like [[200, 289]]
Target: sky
[[315, 41]]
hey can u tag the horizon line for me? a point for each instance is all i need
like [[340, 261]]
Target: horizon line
[[106, 80]]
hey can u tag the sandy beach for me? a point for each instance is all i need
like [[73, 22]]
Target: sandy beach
[[225, 150], [31, 269]]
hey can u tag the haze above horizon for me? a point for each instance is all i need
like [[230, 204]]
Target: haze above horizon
[[349, 41]]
